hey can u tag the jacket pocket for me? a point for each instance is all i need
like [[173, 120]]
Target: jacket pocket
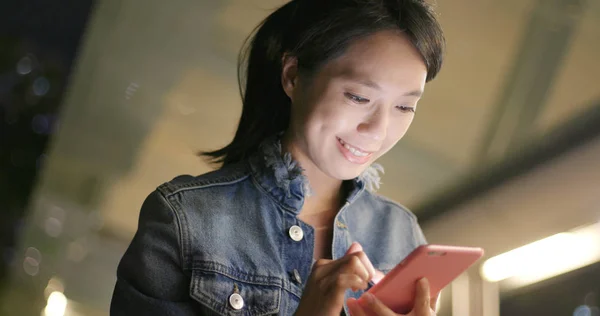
[[214, 285]]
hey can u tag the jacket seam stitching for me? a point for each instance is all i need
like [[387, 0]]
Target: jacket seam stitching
[[182, 235], [209, 184], [229, 275]]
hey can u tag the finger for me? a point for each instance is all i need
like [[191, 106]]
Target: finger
[[341, 282], [375, 305], [346, 264], [353, 264], [367, 264], [324, 267], [378, 276], [334, 287], [433, 303], [322, 262], [354, 308], [356, 248], [422, 299]]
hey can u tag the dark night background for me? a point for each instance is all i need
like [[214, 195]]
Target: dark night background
[[38, 47]]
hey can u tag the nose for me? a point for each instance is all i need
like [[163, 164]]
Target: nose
[[375, 125]]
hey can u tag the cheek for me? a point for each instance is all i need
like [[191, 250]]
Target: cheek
[[329, 116], [395, 133], [402, 127]]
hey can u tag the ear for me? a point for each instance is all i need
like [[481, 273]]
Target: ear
[[289, 74]]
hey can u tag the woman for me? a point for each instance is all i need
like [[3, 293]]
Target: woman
[[288, 224]]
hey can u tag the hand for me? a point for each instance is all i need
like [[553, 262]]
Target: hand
[[356, 247], [329, 279], [424, 305]]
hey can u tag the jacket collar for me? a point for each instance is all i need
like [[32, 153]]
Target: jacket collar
[[280, 176]]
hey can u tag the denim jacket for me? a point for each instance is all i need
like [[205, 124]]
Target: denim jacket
[[229, 242]]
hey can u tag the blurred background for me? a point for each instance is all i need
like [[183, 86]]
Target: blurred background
[[102, 101]]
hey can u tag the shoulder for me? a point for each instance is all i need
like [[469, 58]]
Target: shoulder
[[172, 198], [225, 176], [383, 204]]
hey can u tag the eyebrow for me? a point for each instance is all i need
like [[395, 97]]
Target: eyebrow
[[414, 93], [369, 83]]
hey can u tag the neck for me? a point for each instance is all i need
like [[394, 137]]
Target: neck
[[326, 192]]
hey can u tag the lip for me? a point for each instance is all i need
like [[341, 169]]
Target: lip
[[359, 148], [350, 157]]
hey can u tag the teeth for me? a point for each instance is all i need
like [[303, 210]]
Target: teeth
[[353, 150]]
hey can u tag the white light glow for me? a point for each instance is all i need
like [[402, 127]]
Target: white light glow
[[54, 285], [57, 304], [546, 258]]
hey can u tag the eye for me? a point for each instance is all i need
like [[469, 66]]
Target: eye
[[406, 109], [356, 99]]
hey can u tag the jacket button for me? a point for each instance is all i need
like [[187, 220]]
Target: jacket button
[[297, 277], [296, 233], [340, 225], [236, 301]]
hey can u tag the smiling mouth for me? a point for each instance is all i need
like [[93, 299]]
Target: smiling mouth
[[355, 151]]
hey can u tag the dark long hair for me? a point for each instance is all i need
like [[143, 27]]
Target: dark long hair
[[315, 32]]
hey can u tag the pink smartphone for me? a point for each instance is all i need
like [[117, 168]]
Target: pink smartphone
[[440, 264]]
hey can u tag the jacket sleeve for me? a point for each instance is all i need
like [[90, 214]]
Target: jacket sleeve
[[418, 234], [150, 276]]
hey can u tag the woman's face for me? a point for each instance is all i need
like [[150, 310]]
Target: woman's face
[[356, 107]]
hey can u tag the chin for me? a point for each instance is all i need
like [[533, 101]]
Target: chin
[[342, 171]]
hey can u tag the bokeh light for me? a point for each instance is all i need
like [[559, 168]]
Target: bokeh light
[[77, 251], [41, 86], [131, 89], [591, 299], [33, 253], [25, 65], [53, 227], [31, 263], [95, 220], [57, 304], [40, 124], [54, 285], [582, 310], [31, 266]]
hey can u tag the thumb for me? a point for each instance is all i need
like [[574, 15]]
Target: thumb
[[422, 300]]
